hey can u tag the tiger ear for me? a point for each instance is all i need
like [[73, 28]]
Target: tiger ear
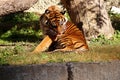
[[63, 12]]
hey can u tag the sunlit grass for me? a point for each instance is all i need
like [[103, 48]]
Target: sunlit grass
[[18, 55]]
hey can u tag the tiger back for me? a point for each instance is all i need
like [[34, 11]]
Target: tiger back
[[72, 39]]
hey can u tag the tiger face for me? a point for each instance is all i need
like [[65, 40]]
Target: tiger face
[[52, 20]]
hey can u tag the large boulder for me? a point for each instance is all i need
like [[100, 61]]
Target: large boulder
[[12, 6], [41, 5]]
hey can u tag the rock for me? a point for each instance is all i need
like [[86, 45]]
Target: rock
[[12, 6], [41, 5], [94, 71], [34, 72], [62, 71], [115, 10]]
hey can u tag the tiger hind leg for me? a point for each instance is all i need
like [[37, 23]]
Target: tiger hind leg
[[66, 49], [82, 49]]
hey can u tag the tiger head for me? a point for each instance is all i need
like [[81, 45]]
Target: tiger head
[[54, 21]]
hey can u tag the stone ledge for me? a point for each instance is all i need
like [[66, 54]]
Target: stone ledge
[[63, 71], [95, 71], [34, 72]]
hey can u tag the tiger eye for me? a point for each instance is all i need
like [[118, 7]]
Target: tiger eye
[[46, 22], [47, 11], [54, 26]]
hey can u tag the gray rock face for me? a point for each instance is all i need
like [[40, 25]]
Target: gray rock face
[[34, 72], [62, 71], [95, 71], [41, 5], [12, 6]]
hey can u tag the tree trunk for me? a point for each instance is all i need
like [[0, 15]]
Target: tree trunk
[[11, 6], [93, 15]]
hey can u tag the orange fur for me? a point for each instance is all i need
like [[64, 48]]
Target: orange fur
[[44, 44]]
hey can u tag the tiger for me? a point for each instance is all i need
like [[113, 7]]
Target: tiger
[[48, 32], [62, 35]]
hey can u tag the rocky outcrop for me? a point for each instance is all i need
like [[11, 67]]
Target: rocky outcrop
[[95, 71], [41, 5], [12, 6]]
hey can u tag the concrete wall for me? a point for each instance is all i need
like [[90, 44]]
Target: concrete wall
[[62, 71]]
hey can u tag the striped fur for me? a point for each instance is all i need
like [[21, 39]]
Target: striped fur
[[71, 40]]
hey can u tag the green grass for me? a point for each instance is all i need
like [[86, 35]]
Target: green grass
[[19, 56], [22, 37]]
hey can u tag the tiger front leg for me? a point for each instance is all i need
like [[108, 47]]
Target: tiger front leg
[[44, 45]]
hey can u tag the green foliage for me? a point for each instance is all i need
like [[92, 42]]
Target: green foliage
[[117, 35], [67, 15], [23, 34], [115, 18], [18, 49], [102, 40], [19, 17], [4, 55], [21, 27]]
